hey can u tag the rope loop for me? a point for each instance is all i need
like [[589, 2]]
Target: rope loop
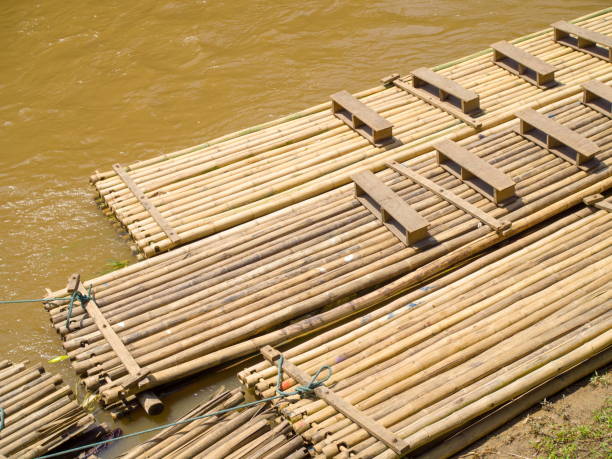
[[312, 385], [83, 299], [301, 390]]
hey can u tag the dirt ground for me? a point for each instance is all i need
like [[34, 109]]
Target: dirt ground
[[575, 423]]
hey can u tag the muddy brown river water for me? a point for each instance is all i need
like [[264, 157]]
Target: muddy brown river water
[[85, 84]]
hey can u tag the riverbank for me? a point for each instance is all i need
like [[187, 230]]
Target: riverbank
[[576, 423]]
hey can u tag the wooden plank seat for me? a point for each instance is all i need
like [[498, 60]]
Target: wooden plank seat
[[446, 89], [445, 94], [361, 118], [556, 138], [523, 64], [474, 171], [450, 197], [598, 96], [395, 213], [584, 40]]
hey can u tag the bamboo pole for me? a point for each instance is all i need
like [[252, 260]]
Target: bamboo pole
[[514, 408], [518, 387], [533, 219], [40, 413], [233, 434], [577, 318], [467, 378], [342, 334], [508, 284], [393, 381]]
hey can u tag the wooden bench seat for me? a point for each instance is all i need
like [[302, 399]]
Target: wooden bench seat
[[444, 94], [581, 39], [474, 171], [361, 118], [523, 64], [556, 138], [468, 101], [598, 96], [388, 207], [450, 197]]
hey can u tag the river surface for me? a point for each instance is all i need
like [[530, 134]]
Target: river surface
[[85, 84]]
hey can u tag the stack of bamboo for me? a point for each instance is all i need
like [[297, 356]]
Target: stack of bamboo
[[250, 433], [205, 189], [209, 302], [40, 412], [435, 359]]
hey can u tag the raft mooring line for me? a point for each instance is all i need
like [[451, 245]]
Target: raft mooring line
[[306, 388]]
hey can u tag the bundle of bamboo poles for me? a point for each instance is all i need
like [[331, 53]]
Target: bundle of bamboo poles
[[434, 359], [250, 433], [222, 298], [40, 412], [226, 182]]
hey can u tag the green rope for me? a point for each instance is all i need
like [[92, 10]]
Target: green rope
[[301, 390], [83, 299], [1, 418], [38, 300], [76, 295], [309, 388]]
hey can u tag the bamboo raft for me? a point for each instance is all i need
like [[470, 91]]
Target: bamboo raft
[[506, 330], [227, 296], [40, 412], [183, 196], [251, 433]]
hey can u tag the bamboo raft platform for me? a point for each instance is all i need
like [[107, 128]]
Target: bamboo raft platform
[[310, 265], [40, 413], [498, 334], [250, 434], [180, 197]]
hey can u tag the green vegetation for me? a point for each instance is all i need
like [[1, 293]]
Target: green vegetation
[[113, 265], [600, 379], [565, 441], [248, 131], [294, 116], [214, 168]]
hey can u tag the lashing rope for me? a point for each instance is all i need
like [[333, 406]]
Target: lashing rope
[[301, 390]]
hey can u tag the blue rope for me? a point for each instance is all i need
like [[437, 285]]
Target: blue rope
[[1, 418], [312, 385]]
